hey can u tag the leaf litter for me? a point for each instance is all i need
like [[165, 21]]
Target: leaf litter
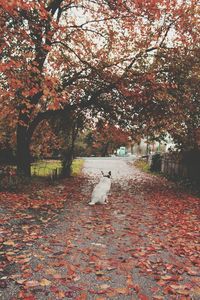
[[143, 245]]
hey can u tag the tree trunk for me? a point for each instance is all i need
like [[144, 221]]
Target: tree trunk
[[69, 154], [105, 150], [23, 152], [67, 163]]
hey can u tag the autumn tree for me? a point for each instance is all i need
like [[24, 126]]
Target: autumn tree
[[107, 138], [183, 76], [64, 56], [39, 62]]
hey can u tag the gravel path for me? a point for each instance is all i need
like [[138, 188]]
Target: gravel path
[[135, 247]]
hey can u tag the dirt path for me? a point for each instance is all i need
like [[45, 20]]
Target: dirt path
[[143, 245]]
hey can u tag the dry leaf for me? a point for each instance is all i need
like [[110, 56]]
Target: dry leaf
[[45, 282]]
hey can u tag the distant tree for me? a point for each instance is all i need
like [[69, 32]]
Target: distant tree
[[105, 139]]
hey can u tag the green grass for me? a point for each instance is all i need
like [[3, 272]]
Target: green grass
[[44, 168], [142, 165], [77, 166]]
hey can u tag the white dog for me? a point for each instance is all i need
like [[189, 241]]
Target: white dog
[[101, 190]]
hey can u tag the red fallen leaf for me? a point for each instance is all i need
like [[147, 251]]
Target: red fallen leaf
[[75, 288], [60, 295], [123, 291], [170, 278], [54, 289], [139, 254], [143, 297], [26, 275], [39, 267], [136, 288], [23, 261], [31, 283], [99, 292], [9, 258], [31, 297], [161, 282], [69, 294], [23, 295], [129, 282], [57, 276], [191, 272], [59, 264], [169, 266], [168, 290], [155, 289], [83, 296], [151, 248], [177, 286]]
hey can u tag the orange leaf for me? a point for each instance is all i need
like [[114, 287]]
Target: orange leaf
[[83, 296], [45, 282], [129, 282], [123, 291], [31, 283], [9, 243]]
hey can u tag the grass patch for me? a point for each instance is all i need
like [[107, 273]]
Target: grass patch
[[77, 166], [142, 165], [44, 168]]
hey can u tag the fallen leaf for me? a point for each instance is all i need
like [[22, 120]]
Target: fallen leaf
[[100, 273], [143, 297], [9, 243], [83, 296], [123, 291], [31, 283], [129, 282], [60, 295], [45, 282], [104, 286]]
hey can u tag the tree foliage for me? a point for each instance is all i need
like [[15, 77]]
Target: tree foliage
[[90, 55]]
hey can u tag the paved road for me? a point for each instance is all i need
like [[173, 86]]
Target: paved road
[[119, 167]]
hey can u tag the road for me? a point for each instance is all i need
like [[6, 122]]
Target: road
[[118, 166]]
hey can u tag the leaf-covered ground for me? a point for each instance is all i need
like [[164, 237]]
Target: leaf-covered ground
[[143, 245]]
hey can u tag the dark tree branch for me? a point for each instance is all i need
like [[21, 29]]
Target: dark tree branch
[[54, 5], [45, 116]]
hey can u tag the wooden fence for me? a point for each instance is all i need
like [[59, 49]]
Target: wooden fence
[[174, 167]]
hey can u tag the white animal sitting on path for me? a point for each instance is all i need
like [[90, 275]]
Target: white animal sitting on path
[[101, 190]]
